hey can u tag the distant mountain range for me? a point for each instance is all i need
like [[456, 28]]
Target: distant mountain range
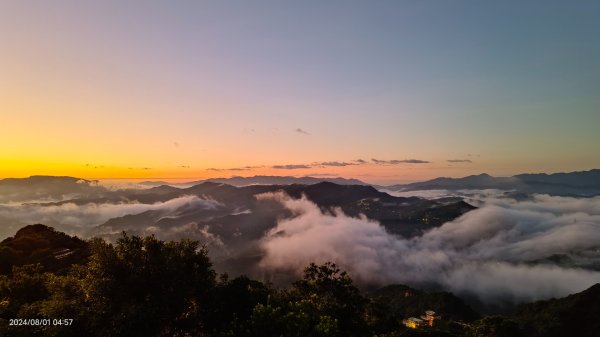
[[45, 187], [579, 184], [584, 183], [261, 180]]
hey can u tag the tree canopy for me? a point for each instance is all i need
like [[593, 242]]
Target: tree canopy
[[142, 286]]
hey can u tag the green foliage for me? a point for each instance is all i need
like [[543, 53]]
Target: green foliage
[[323, 303], [137, 287], [332, 294], [147, 287], [26, 286], [233, 302], [293, 319]]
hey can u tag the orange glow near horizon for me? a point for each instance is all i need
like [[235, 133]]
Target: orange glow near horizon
[[368, 172], [162, 93]]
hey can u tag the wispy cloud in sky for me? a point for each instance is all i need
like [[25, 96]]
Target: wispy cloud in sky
[[335, 163], [322, 164], [396, 161], [290, 166], [243, 168]]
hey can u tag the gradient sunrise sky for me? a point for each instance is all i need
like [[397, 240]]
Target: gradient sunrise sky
[[382, 91]]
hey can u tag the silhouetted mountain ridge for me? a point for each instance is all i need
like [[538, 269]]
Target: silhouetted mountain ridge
[[574, 315], [261, 180], [582, 183]]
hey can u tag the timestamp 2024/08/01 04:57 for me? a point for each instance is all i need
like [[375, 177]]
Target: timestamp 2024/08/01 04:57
[[40, 321]]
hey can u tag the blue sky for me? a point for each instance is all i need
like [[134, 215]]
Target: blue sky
[[511, 86]]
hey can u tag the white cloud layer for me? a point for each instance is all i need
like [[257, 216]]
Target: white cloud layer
[[82, 216], [483, 253]]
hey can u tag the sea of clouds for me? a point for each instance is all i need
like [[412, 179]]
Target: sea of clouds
[[485, 253]]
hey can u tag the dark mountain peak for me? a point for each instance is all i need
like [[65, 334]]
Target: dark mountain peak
[[481, 177], [38, 243], [587, 179], [162, 189], [331, 184], [333, 189], [39, 233], [37, 229], [436, 180], [239, 181], [330, 194], [326, 184], [217, 191], [209, 185], [583, 183], [558, 174], [281, 180]]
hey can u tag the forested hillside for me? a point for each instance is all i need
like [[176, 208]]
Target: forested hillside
[[147, 287]]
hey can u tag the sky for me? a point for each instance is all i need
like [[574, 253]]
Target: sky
[[382, 91]]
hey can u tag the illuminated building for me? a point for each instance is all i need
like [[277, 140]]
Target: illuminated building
[[412, 322]]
